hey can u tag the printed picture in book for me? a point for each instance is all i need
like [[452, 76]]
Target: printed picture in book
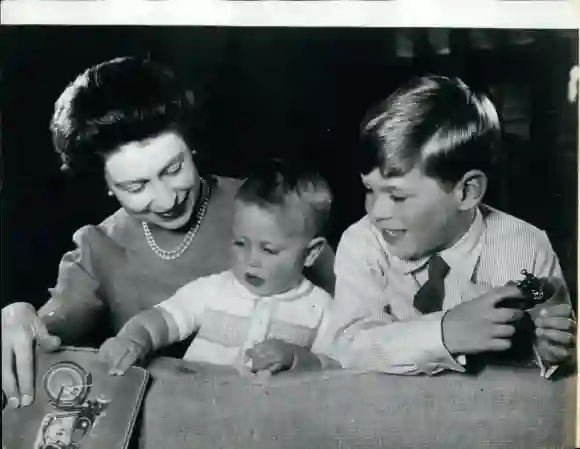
[[74, 412]]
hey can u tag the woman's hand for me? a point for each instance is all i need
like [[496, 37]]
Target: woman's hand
[[120, 353], [21, 327]]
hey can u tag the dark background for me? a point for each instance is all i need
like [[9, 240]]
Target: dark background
[[276, 92]]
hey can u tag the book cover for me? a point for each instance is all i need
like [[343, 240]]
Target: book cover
[[77, 405]]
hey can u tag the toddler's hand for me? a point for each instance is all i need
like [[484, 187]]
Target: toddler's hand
[[272, 355], [120, 353]]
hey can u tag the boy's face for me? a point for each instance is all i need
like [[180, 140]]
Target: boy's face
[[269, 248], [415, 216]]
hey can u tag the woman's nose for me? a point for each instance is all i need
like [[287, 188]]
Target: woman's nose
[[163, 197]]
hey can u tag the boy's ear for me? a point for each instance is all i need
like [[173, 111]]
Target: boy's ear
[[314, 249], [471, 189]]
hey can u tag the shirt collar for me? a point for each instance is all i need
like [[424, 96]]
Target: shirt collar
[[462, 255], [465, 253], [302, 289]]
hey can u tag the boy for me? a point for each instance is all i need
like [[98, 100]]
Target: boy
[[262, 313], [421, 277]]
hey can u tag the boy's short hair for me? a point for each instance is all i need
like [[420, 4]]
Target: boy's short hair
[[278, 183], [435, 123]]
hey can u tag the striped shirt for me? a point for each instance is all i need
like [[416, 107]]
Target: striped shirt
[[374, 325], [228, 319]]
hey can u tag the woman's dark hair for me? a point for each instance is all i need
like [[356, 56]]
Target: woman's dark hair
[[435, 123], [116, 102]]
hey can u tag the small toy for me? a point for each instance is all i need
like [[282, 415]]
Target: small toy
[[536, 290], [531, 286]]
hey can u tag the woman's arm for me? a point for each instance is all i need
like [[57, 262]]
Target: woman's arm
[[72, 311], [75, 309]]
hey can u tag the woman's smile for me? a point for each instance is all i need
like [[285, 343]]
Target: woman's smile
[[155, 180], [176, 211]]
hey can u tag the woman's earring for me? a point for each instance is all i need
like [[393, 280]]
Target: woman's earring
[[110, 193]]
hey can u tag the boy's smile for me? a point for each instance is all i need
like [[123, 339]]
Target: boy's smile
[[414, 214]]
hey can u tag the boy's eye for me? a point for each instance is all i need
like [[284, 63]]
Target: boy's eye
[[174, 168], [271, 251], [398, 199], [238, 243]]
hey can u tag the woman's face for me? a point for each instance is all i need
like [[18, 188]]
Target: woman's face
[[155, 180]]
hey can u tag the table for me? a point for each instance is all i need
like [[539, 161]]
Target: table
[[195, 406]]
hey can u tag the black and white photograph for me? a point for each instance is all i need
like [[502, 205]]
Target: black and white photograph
[[310, 237]]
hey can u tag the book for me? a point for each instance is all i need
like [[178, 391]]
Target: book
[[77, 404]]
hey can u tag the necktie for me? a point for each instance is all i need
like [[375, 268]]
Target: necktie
[[430, 296]]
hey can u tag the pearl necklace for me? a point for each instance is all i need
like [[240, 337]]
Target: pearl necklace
[[177, 252]]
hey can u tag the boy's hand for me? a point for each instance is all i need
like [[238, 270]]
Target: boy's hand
[[556, 333], [555, 325], [272, 355], [480, 325], [120, 353]]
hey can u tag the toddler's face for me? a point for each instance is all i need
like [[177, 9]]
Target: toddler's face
[[415, 216], [269, 248]]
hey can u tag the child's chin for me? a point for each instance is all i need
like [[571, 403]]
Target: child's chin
[[259, 291], [405, 253], [264, 290]]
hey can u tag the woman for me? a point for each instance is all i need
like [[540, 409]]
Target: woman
[[130, 117]]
